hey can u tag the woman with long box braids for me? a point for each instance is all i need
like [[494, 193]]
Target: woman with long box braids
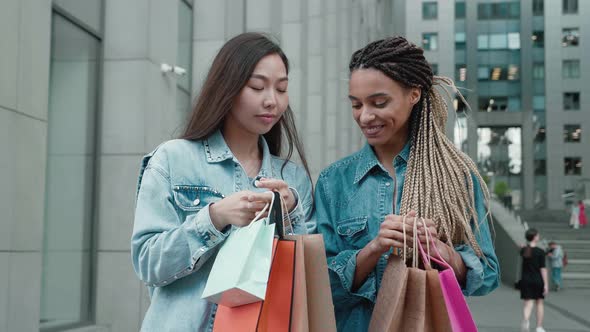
[[407, 168]]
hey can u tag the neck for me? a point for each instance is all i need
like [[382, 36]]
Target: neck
[[533, 243], [386, 152], [243, 144]]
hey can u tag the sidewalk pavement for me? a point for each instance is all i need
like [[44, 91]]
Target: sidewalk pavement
[[565, 311]]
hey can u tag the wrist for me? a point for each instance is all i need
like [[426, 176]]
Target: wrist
[[216, 220], [372, 249]]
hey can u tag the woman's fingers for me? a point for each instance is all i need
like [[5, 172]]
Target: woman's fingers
[[260, 197], [255, 206], [271, 184]]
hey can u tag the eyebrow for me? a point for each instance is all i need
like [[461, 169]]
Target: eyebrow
[[378, 94], [264, 78]]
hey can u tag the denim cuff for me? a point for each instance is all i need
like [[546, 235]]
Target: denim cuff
[[344, 265], [207, 235], [475, 272]]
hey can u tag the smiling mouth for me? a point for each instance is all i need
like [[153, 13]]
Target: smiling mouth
[[373, 130]]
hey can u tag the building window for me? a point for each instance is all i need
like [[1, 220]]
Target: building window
[[69, 189], [461, 72], [571, 101], [539, 71], [570, 6], [572, 133], [460, 40], [540, 136], [434, 67], [499, 104], [573, 165], [430, 41], [570, 69], [570, 37], [459, 9], [499, 41], [499, 157], [498, 10], [538, 7], [429, 10], [538, 39], [498, 73], [538, 103], [514, 40], [540, 167]]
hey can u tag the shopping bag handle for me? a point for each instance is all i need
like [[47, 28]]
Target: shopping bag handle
[[438, 258], [275, 214]]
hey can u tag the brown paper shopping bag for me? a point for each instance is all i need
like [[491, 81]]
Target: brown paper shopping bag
[[410, 298]]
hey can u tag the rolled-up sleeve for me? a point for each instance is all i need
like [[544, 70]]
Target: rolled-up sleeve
[[163, 247], [341, 261], [483, 273]]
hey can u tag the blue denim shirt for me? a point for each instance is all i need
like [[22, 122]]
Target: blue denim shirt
[[352, 198], [174, 243]]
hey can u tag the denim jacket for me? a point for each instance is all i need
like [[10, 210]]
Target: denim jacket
[[352, 198], [174, 243]]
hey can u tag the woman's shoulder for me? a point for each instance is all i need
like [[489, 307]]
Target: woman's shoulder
[[170, 152], [344, 167]]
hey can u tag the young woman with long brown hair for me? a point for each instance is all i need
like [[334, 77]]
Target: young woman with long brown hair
[[193, 190]]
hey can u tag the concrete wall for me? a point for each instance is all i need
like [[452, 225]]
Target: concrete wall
[[24, 78], [555, 86]]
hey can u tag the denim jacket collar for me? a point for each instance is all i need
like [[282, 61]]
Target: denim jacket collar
[[368, 160], [217, 151]]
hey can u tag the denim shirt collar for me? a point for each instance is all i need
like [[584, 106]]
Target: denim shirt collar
[[217, 151], [368, 160]]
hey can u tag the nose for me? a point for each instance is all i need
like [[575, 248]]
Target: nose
[[270, 99], [366, 116]]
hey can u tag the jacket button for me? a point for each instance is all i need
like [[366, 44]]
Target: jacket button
[[387, 184], [196, 201]]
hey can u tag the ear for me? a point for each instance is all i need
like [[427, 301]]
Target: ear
[[415, 95]]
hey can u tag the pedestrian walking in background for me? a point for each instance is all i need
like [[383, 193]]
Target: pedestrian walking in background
[[555, 254], [533, 282], [583, 221], [575, 217]]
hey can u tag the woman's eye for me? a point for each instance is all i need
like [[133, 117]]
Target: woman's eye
[[356, 106], [381, 104], [282, 90], [257, 88]]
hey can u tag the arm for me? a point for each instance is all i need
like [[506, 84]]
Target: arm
[[163, 247], [482, 273], [342, 261]]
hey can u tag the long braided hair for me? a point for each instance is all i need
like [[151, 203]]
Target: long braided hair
[[439, 183]]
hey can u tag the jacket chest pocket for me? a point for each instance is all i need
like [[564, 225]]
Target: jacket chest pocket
[[354, 231], [194, 198]]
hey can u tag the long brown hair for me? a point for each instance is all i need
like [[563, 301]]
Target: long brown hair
[[229, 73]]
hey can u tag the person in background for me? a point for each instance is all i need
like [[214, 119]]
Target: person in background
[[555, 254], [583, 220], [533, 282], [575, 216]]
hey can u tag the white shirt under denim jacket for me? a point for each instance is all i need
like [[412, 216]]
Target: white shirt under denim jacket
[[174, 242]]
